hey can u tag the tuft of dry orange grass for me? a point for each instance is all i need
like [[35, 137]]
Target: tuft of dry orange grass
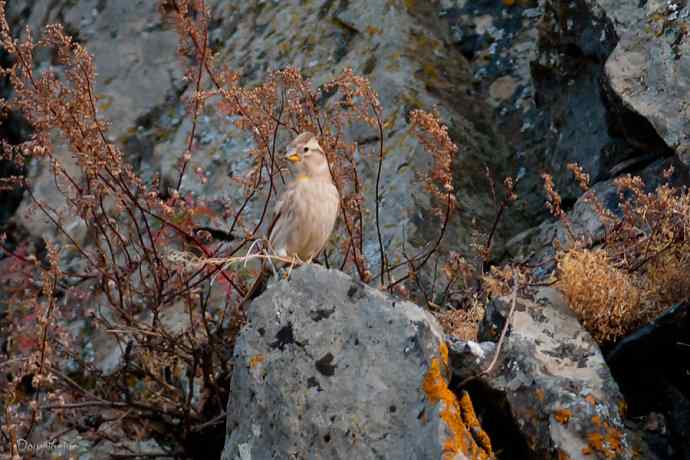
[[639, 269], [605, 299], [463, 323]]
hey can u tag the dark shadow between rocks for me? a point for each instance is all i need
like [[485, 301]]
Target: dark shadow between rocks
[[652, 368], [636, 130], [493, 411]]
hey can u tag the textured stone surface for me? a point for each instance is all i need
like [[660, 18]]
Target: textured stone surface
[[640, 51], [555, 382], [133, 77], [327, 368], [650, 71]]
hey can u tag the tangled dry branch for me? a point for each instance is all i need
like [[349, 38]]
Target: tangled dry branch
[[127, 252]]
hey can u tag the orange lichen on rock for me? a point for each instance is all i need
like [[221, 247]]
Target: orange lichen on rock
[[460, 438], [562, 416], [605, 440], [372, 30], [609, 443], [540, 394], [563, 455], [443, 349]]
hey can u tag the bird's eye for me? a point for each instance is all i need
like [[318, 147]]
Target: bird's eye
[[306, 149]]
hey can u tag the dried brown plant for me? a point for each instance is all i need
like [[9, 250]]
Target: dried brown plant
[[640, 267], [463, 323], [123, 277], [605, 299]]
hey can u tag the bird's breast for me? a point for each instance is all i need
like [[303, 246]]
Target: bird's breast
[[309, 217], [321, 202]]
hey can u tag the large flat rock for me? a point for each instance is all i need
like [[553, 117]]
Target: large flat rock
[[327, 368]]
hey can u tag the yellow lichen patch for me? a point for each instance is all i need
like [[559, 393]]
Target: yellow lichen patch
[[430, 71], [622, 408], [255, 361], [104, 106], [436, 389], [562, 416], [472, 422], [284, 48], [389, 123]]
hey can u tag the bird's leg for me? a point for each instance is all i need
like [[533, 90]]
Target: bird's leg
[[273, 267], [290, 266], [268, 251], [294, 260]]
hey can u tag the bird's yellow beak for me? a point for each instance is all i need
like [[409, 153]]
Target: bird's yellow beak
[[293, 157]]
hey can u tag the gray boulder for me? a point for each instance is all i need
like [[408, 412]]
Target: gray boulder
[[649, 70], [134, 79], [555, 383], [327, 368], [646, 73]]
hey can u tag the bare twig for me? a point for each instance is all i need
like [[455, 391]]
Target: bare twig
[[379, 167], [220, 418], [197, 101], [499, 344]]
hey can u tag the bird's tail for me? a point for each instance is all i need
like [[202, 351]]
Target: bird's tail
[[259, 285]]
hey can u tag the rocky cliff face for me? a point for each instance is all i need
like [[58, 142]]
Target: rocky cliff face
[[525, 86], [566, 84], [400, 46]]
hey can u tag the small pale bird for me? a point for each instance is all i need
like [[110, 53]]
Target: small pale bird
[[307, 210], [305, 214]]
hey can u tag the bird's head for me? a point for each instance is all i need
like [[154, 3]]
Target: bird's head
[[307, 157]]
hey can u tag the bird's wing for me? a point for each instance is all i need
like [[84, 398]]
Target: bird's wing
[[283, 214]]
